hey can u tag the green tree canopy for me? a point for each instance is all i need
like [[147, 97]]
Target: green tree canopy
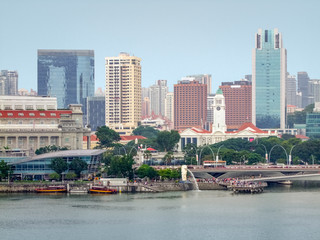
[[121, 166], [59, 165], [5, 169], [50, 148], [107, 136], [167, 140], [147, 171], [78, 165], [146, 131]]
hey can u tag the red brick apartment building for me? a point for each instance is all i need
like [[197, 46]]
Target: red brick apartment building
[[238, 103], [190, 104]]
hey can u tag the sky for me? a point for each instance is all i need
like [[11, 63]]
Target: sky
[[174, 38]]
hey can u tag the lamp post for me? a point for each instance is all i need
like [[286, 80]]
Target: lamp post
[[217, 157], [290, 154], [266, 156]]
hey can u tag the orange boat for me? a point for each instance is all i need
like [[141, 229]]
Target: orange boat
[[51, 189], [102, 189]]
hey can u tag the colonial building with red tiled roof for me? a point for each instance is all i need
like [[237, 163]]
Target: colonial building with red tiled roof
[[202, 137], [27, 130], [124, 140], [219, 131]]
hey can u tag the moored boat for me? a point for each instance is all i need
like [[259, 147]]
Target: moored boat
[[51, 189], [102, 189]]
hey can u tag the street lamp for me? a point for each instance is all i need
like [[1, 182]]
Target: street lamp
[[217, 157], [290, 154]]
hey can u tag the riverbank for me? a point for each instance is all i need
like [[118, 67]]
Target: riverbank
[[16, 187]]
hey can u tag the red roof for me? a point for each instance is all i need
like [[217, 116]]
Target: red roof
[[301, 136], [130, 138], [94, 138], [151, 149], [33, 113], [198, 130], [252, 127]]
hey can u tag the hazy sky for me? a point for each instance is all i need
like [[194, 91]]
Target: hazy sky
[[174, 38]]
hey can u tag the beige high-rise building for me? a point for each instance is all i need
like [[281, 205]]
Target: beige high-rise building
[[123, 93]]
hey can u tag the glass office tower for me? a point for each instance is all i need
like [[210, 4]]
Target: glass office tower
[[67, 75], [269, 69]]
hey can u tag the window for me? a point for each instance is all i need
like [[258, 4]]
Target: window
[[52, 114], [10, 114], [42, 114], [20, 114], [31, 114]]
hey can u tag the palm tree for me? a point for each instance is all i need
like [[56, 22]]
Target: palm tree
[[168, 157], [147, 154]]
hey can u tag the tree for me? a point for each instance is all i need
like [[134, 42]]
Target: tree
[[107, 136], [147, 154], [147, 171], [78, 165], [167, 140], [59, 165], [49, 148], [5, 169], [121, 166], [168, 157], [54, 176], [146, 131]]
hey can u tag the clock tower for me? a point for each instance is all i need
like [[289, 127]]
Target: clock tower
[[219, 113]]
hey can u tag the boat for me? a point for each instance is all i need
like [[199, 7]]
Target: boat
[[51, 189], [102, 189]]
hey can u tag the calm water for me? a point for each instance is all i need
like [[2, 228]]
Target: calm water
[[281, 212]]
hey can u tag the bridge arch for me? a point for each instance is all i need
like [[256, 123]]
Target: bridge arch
[[201, 153], [277, 145]]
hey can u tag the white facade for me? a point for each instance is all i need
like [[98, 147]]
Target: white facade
[[28, 103], [158, 94], [169, 106], [219, 113]]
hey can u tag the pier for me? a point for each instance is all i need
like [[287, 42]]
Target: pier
[[246, 187]]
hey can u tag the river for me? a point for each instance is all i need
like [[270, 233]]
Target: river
[[281, 212]]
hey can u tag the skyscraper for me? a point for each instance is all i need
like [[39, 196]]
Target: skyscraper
[[169, 106], [67, 75], [291, 90], [123, 93], [238, 103], [190, 104], [303, 81], [204, 79], [8, 82], [269, 69], [158, 94], [96, 114]]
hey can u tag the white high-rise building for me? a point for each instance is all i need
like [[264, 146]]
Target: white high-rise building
[[158, 94], [123, 93], [8, 82], [169, 106], [291, 90]]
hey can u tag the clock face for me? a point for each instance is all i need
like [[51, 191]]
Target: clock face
[[218, 108]]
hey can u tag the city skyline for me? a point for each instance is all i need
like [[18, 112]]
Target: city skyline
[[181, 38]]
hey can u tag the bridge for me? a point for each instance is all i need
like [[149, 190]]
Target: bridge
[[258, 173]]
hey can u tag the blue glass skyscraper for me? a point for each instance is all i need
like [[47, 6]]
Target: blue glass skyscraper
[[67, 75], [269, 70]]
